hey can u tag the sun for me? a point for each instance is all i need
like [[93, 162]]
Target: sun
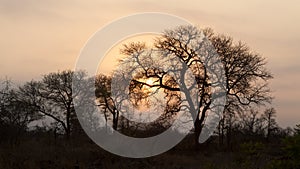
[[150, 82]]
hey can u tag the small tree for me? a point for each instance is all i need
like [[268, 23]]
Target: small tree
[[52, 97], [15, 115], [297, 129], [271, 124], [105, 102]]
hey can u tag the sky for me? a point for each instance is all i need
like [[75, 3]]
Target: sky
[[38, 37]]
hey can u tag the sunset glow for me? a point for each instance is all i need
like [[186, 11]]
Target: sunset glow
[[38, 37]]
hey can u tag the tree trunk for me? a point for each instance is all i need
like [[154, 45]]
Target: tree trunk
[[197, 132], [115, 120], [198, 125], [222, 132], [68, 128]]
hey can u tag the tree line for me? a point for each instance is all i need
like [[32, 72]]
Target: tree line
[[246, 89], [247, 126]]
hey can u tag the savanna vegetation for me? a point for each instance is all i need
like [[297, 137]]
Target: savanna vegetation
[[39, 128]]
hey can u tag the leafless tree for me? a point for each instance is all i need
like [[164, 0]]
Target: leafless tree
[[269, 118], [245, 70], [15, 115], [52, 97], [105, 102]]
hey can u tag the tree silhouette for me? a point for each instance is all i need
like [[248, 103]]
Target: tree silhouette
[[297, 129], [15, 115], [271, 124], [246, 74], [105, 102], [52, 97]]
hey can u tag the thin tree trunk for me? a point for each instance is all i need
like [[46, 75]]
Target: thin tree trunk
[[197, 132]]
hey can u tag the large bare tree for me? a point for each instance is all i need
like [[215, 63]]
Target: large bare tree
[[245, 71]]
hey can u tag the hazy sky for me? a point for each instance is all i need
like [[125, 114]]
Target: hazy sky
[[42, 36]]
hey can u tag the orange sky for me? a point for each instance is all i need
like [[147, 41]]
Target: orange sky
[[38, 37]]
